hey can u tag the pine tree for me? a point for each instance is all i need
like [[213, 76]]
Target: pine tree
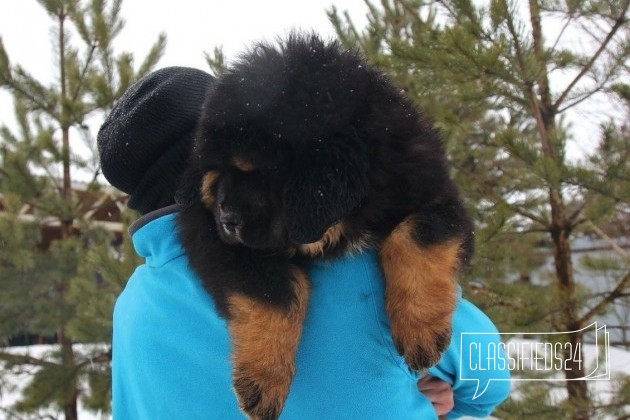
[[60, 269], [483, 72]]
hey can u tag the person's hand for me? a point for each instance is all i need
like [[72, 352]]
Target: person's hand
[[438, 392]]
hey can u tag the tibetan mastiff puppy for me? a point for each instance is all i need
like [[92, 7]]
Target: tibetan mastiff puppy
[[304, 150]]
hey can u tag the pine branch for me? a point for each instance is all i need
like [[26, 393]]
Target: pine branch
[[351, 25], [520, 56], [450, 11], [99, 358], [572, 220], [19, 90], [583, 97], [602, 85], [528, 87], [539, 53], [86, 66], [594, 187], [20, 359], [411, 12], [617, 292], [533, 217], [543, 112], [154, 55], [619, 22], [12, 415], [613, 244]]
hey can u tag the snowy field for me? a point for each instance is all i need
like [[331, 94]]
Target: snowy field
[[10, 385], [616, 361]]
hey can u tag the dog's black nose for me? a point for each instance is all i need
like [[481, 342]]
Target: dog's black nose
[[230, 221]]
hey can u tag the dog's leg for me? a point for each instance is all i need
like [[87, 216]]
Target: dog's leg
[[421, 293], [265, 339], [264, 301]]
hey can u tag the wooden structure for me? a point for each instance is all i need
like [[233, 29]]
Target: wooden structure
[[103, 208]]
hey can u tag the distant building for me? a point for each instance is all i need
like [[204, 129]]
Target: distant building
[[103, 208]]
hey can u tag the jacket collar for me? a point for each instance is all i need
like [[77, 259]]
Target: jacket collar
[[146, 218], [155, 236]]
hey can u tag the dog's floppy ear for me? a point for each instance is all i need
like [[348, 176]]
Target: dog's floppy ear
[[324, 187]]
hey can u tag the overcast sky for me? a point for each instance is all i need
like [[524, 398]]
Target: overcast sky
[[192, 26], [195, 26]]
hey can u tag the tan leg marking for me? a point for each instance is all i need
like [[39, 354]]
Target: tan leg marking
[[331, 237], [421, 293], [265, 339], [208, 180]]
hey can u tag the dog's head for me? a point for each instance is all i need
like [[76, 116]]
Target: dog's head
[[278, 206], [278, 158], [279, 203]]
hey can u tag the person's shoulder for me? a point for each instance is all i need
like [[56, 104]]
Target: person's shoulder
[[469, 318]]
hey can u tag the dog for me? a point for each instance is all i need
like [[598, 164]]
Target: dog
[[304, 150]]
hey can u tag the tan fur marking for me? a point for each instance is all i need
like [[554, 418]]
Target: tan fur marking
[[421, 290], [207, 197], [362, 242], [330, 238], [265, 339], [243, 164]]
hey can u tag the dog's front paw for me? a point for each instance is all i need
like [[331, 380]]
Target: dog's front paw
[[265, 339], [262, 398], [421, 344], [421, 293]]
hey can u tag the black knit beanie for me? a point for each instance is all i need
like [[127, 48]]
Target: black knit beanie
[[144, 142]]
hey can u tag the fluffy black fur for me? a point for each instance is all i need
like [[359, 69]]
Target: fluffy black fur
[[327, 139]]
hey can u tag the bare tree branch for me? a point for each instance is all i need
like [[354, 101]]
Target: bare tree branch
[[617, 292], [618, 24], [564, 28], [23, 359], [614, 245]]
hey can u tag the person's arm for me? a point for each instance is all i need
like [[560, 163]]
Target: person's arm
[[456, 365]]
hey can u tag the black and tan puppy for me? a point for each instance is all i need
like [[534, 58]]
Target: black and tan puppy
[[304, 150]]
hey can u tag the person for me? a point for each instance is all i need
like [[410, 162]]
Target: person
[[171, 350]]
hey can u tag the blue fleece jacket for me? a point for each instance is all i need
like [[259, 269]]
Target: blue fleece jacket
[[171, 349]]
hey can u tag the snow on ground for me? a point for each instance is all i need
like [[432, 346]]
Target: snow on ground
[[11, 385], [596, 359]]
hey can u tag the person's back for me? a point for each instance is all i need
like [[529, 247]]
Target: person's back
[[171, 349]]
